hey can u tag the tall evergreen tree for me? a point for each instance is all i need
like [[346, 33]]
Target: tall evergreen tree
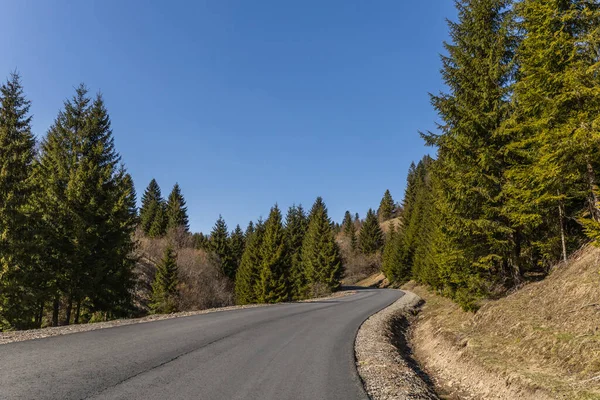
[[349, 229], [320, 253], [151, 202], [86, 206], [296, 223], [176, 211], [273, 283], [19, 276], [386, 207], [248, 274], [237, 243], [164, 287], [370, 238], [158, 228], [220, 245]]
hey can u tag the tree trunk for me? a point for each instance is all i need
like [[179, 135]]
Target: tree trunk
[[40, 315], [561, 214], [77, 312], [55, 309], [68, 311]]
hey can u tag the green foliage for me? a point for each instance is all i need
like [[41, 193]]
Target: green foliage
[[248, 274], [20, 279], [87, 208], [176, 211], [151, 202], [386, 207], [164, 287], [370, 239], [221, 246], [237, 243], [159, 222], [273, 281], [296, 223], [320, 254]]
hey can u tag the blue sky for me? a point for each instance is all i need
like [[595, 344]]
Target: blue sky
[[244, 103]]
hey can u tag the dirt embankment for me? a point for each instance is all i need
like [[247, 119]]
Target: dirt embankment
[[541, 342]]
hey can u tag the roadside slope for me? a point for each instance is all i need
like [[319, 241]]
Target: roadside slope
[[543, 341]]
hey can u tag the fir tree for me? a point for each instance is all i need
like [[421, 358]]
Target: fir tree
[[370, 239], [296, 223], [176, 211], [273, 283], [164, 287], [237, 243], [320, 253], [349, 229], [201, 242], [220, 245], [19, 275], [248, 274], [386, 207], [159, 222], [151, 202], [86, 206]]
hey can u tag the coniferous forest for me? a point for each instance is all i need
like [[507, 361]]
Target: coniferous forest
[[513, 188], [511, 191]]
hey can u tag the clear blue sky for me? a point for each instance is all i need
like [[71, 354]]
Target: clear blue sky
[[244, 103]]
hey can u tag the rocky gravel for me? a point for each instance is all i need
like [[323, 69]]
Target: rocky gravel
[[383, 357]]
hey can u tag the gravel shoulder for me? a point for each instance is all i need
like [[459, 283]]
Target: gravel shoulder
[[19, 336], [383, 358]]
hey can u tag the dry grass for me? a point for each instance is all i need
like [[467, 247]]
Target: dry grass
[[376, 280], [545, 335], [385, 226]]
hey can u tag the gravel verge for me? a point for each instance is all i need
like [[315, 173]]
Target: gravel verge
[[19, 336], [383, 357]]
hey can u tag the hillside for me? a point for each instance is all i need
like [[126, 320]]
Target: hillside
[[544, 336]]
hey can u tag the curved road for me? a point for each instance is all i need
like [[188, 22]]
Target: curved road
[[287, 351]]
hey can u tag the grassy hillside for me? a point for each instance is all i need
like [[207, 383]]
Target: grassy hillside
[[544, 335]]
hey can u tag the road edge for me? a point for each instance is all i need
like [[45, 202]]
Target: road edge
[[382, 357]]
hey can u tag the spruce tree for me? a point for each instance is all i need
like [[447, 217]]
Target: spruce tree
[[159, 222], [220, 245], [237, 242], [273, 283], [19, 276], [296, 223], [478, 70], [86, 204], [386, 207], [248, 274], [320, 253], [151, 201], [370, 239], [349, 229], [201, 242], [176, 211], [164, 287]]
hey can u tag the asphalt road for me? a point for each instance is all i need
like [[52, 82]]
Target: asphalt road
[[287, 351]]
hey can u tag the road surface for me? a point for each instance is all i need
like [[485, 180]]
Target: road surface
[[281, 352]]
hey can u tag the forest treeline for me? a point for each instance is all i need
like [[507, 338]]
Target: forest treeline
[[513, 188]]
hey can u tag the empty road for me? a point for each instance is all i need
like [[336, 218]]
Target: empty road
[[281, 352]]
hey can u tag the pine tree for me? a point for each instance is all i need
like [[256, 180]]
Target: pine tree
[[176, 211], [320, 253], [201, 242], [296, 223], [478, 70], [349, 229], [273, 283], [19, 275], [237, 242], [159, 222], [386, 207], [85, 206], [164, 287], [220, 245], [151, 202], [248, 274], [370, 239]]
